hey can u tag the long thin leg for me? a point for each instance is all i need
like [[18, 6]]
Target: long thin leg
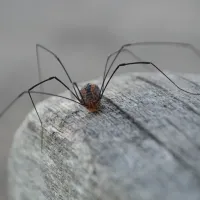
[[108, 58], [34, 104], [54, 77], [34, 92], [145, 63], [111, 55], [58, 59], [169, 43], [79, 92], [29, 92]]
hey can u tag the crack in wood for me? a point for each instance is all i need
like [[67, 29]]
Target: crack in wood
[[181, 131], [154, 138], [151, 83]]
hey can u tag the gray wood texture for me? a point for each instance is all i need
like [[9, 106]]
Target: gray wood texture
[[144, 144]]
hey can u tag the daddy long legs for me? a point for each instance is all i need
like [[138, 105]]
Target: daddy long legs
[[90, 95]]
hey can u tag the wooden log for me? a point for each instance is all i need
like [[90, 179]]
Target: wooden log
[[144, 144]]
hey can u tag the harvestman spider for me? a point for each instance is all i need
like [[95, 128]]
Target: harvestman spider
[[90, 95]]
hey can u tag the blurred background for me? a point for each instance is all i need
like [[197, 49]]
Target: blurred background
[[82, 34]]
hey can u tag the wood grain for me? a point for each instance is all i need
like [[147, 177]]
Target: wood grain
[[144, 144]]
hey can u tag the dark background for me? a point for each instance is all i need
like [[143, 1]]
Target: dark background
[[83, 33]]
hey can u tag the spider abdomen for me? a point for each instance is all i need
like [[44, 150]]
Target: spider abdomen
[[91, 96]]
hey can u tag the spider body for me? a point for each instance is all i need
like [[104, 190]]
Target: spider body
[[91, 97]]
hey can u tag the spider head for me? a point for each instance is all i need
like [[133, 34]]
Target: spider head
[[91, 97]]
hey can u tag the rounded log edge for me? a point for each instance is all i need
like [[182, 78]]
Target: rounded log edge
[[143, 144]]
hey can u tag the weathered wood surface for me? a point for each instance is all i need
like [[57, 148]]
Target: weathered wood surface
[[144, 144]]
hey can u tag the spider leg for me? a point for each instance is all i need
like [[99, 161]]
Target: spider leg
[[117, 52], [107, 60], [145, 63], [58, 59], [40, 84], [35, 92], [79, 92], [155, 43]]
